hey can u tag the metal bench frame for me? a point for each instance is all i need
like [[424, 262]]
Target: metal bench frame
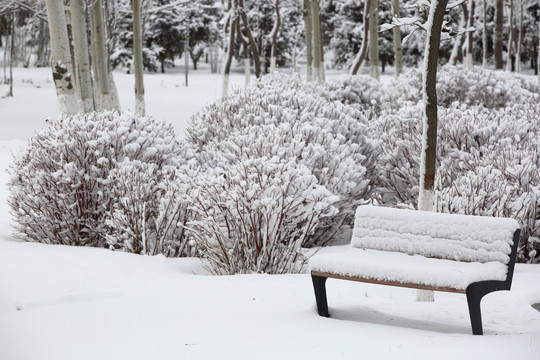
[[475, 291]]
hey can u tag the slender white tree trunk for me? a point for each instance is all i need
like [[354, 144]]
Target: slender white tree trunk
[[231, 25], [106, 94], [82, 59], [459, 40], [510, 38], [470, 42], [398, 51], [316, 28], [484, 36], [429, 136], [274, 34], [186, 56], [11, 53], [61, 58], [247, 69], [309, 40], [520, 38], [140, 107], [359, 60], [374, 40]]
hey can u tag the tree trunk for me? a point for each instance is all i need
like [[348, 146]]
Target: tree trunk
[[229, 54], [107, 98], [11, 54], [81, 55], [245, 46], [186, 55], [470, 40], [316, 27], [484, 36], [509, 63], [309, 40], [398, 51], [62, 70], [458, 44], [249, 35], [140, 107], [430, 118], [361, 56], [374, 40], [520, 38], [275, 30], [497, 42]]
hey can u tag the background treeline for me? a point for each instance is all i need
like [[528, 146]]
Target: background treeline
[[168, 25]]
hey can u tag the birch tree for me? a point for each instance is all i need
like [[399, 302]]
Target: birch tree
[[105, 91], [362, 53], [520, 38], [398, 51], [230, 29], [484, 35], [140, 107], [81, 64], [317, 47], [458, 44], [62, 68], [430, 116], [470, 24], [510, 57], [309, 40], [374, 40], [274, 34], [498, 36]]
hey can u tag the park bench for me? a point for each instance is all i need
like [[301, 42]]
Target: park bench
[[466, 254]]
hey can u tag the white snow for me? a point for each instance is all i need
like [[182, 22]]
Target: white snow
[[65, 303]]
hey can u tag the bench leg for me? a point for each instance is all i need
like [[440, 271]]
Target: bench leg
[[319, 285], [475, 293], [473, 300]]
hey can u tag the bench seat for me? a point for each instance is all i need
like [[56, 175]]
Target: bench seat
[[403, 269]]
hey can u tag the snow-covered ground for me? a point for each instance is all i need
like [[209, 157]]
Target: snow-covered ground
[[60, 302]]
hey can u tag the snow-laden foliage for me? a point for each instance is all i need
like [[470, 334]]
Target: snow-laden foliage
[[60, 185], [256, 214], [361, 91], [149, 209], [277, 117], [488, 163], [474, 87]]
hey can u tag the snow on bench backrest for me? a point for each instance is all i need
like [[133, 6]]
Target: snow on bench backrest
[[446, 236]]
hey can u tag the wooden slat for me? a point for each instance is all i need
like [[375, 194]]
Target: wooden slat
[[383, 282]]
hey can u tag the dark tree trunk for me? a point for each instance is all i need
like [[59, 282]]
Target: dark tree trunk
[[498, 41]]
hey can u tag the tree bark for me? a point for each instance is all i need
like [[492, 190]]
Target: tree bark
[[81, 56], [430, 118], [62, 69], [140, 107], [520, 38], [230, 49], [249, 35], [398, 51], [275, 30], [470, 42], [11, 54], [186, 56], [497, 42], [309, 40], [484, 35], [361, 56], [509, 62], [316, 27], [107, 98], [374, 40], [458, 44], [245, 50]]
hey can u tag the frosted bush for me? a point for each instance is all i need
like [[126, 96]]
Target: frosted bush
[[475, 87], [60, 190], [270, 120], [149, 209], [255, 215]]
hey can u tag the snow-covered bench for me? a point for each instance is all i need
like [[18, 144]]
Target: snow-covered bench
[[425, 250]]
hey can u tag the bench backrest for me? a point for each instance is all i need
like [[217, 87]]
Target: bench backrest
[[446, 236]]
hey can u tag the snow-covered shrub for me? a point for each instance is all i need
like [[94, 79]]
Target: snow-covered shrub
[[471, 87], [270, 119], [488, 161], [255, 215], [149, 209], [361, 91], [60, 190]]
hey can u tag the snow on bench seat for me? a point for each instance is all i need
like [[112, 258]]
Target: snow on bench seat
[[386, 266]]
